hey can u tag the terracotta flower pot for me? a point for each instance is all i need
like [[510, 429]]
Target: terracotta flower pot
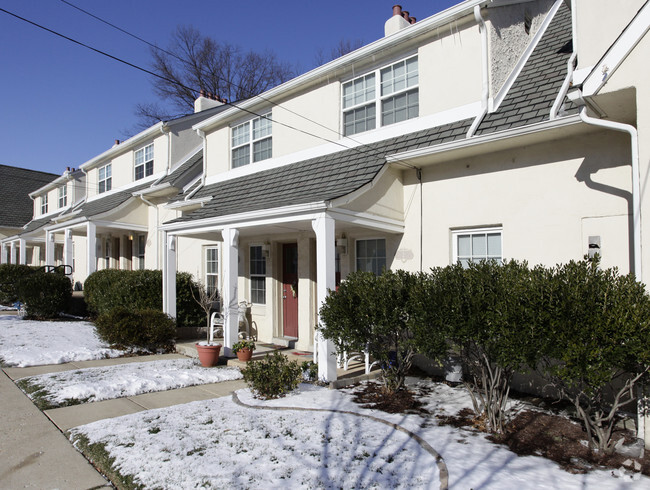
[[208, 354], [244, 354]]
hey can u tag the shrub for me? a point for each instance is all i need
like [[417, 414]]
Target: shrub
[[146, 329], [142, 289], [273, 376], [45, 294], [10, 274]]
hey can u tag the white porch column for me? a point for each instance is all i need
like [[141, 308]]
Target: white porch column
[[4, 258], [22, 252], [229, 291], [67, 248], [91, 247], [12, 253], [169, 275], [325, 279], [49, 248]]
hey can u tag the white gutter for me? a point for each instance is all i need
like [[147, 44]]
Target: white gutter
[[636, 188], [485, 92], [570, 66]]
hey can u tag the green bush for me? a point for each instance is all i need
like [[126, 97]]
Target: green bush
[[45, 294], [108, 289], [146, 329], [273, 376], [10, 274]]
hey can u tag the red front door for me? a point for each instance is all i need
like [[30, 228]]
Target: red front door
[[290, 289]]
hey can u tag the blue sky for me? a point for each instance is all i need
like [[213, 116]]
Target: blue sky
[[62, 104]]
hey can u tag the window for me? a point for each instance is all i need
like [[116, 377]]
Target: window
[[371, 255], [105, 179], [476, 245], [397, 86], [144, 162], [142, 241], [108, 253], [252, 141], [63, 196], [258, 275], [212, 269], [44, 204]]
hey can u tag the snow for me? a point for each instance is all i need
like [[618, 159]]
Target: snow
[[217, 442], [104, 383], [32, 343]]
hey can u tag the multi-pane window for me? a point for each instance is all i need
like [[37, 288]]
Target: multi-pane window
[[142, 241], [144, 162], [391, 91], [212, 269], [105, 178], [477, 245], [258, 275], [44, 204], [63, 196], [371, 255], [252, 141]]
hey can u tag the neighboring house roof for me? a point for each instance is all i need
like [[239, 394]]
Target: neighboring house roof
[[16, 207], [318, 179], [532, 95]]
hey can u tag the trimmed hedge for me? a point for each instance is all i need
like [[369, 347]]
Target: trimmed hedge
[[45, 294], [108, 289], [10, 275], [146, 329]]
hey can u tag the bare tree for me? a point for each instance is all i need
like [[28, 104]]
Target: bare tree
[[343, 47], [194, 62]]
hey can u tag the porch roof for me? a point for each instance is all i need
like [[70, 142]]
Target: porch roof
[[319, 179]]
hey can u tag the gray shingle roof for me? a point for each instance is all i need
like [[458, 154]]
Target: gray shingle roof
[[35, 224], [109, 202], [185, 172], [532, 95], [16, 207], [318, 179]]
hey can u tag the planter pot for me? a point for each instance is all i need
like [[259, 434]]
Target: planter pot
[[244, 354], [208, 354]]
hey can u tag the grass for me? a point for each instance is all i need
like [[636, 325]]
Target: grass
[[99, 457], [39, 395]]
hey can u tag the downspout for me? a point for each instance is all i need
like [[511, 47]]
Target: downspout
[[205, 161], [565, 85], [636, 199], [485, 92], [418, 174]]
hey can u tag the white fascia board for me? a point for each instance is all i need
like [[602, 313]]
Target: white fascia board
[[367, 220], [366, 52], [129, 144], [525, 56], [187, 204], [467, 111], [618, 52], [118, 225], [481, 140], [74, 223], [272, 216]]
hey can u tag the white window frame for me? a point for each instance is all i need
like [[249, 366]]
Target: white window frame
[[143, 160], [63, 196], [492, 230], [252, 275], [206, 270], [141, 253], [377, 96], [44, 204], [250, 135], [107, 179], [368, 239]]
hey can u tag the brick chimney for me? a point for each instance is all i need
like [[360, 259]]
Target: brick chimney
[[400, 20]]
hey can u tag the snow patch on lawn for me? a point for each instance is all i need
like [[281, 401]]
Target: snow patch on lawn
[[104, 383], [32, 343]]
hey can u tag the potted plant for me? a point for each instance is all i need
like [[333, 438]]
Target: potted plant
[[244, 350], [208, 351]]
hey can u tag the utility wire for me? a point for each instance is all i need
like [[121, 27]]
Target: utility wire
[[243, 109]]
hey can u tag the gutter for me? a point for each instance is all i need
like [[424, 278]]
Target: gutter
[[565, 85], [485, 92]]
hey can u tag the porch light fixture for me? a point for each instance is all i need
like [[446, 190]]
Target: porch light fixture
[[266, 249], [342, 245]]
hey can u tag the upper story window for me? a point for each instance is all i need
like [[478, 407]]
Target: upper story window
[[371, 255], [251, 141], [44, 204], [63, 196], [105, 178], [477, 244], [144, 162], [391, 92]]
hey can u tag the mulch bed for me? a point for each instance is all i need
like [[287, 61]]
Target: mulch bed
[[552, 436]]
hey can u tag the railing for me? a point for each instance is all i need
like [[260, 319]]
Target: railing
[[67, 269]]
